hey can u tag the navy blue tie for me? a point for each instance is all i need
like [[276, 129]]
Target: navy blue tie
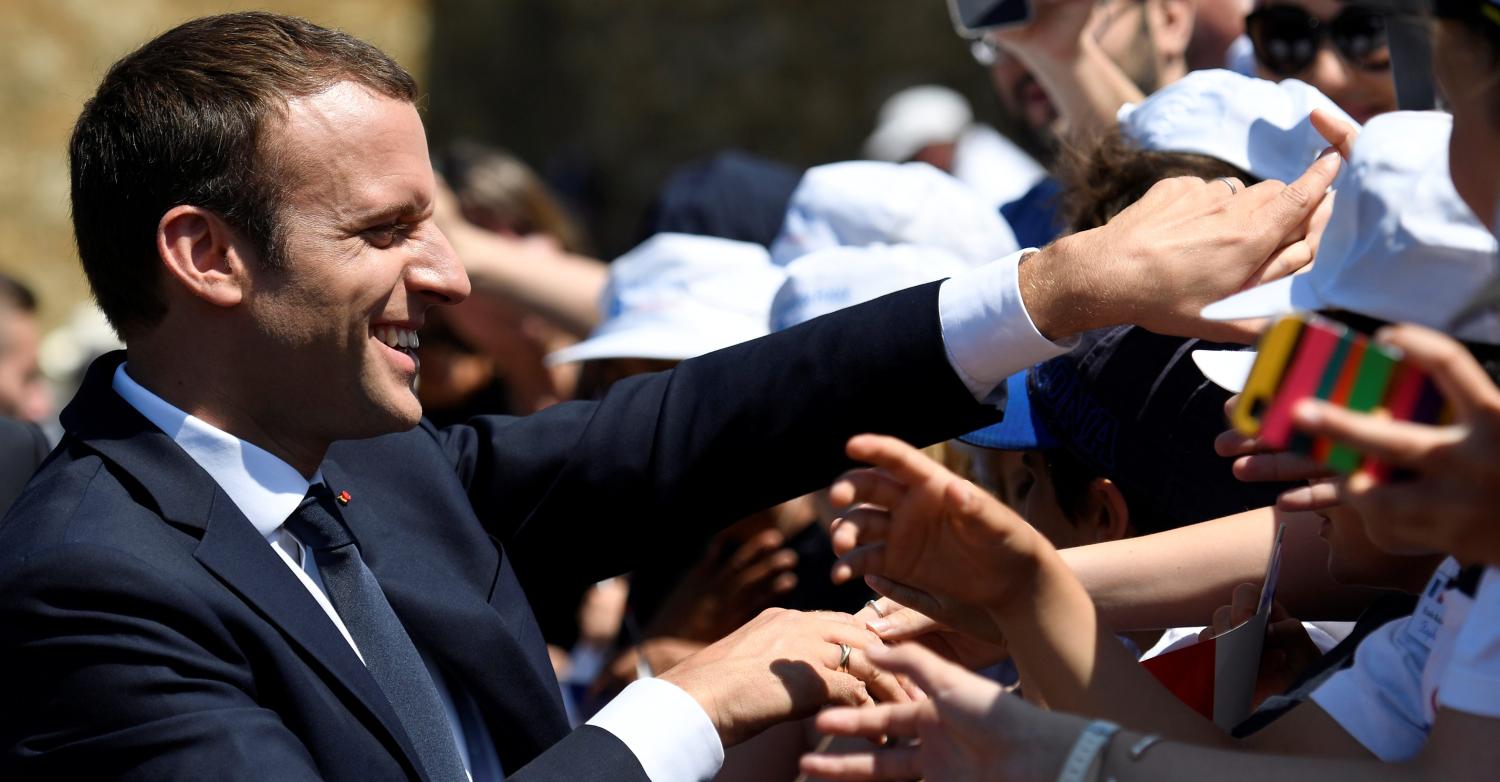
[[388, 651]]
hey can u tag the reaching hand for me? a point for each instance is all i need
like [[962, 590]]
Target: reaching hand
[[1340, 134], [967, 729], [1255, 461], [1288, 650], [1450, 501], [933, 541], [1056, 31], [1186, 244], [901, 623], [783, 665]]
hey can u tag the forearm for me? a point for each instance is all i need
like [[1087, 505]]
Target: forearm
[[1074, 662], [1179, 577], [561, 287], [1174, 760]]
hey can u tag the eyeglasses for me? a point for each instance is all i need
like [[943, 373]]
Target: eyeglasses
[[1287, 38]]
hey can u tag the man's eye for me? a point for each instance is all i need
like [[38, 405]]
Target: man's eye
[[384, 236]]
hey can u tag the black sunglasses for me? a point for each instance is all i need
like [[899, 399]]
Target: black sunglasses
[[1287, 38]]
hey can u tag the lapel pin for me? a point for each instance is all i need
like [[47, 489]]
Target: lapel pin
[[344, 498]]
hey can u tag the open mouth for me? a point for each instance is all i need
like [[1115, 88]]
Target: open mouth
[[399, 339]]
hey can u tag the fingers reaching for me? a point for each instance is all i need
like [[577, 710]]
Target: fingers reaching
[[1335, 131], [1319, 495], [1288, 206], [863, 524], [1462, 381], [865, 486], [1398, 443]]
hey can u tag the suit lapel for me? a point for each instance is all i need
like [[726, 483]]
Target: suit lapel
[[230, 547], [235, 552], [437, 577]]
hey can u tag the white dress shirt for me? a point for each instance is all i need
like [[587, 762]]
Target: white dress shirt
[[987, 334]]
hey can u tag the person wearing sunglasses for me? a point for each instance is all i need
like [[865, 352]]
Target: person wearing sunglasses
[[1339, 48]]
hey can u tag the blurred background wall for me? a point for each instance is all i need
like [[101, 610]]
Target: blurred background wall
[[604, 97]]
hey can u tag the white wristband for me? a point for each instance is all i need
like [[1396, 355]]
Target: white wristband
[[1083, 761]]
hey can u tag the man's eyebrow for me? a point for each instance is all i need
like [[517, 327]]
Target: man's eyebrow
[[389, 212]]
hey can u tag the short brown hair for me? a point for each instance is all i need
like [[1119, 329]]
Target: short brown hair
[[179, 121]]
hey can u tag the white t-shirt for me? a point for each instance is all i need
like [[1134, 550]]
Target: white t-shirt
[[1447, 653]]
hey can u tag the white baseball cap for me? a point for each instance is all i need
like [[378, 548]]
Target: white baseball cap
[[916, 117], [677, 296], [827, 280], [1400, 246], [1260, 126], [857, 203]]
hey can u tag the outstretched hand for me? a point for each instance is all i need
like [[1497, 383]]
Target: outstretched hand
[[901, 623], [967, 729], [1255, 461], [783, 665], [1184, 245], [921, 535]]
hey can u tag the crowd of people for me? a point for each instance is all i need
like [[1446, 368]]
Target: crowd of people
[[917, 466]]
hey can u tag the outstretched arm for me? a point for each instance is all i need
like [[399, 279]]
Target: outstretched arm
[[946, 548], [968, 729]]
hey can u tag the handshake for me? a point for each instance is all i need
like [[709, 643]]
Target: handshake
[[784, 665]]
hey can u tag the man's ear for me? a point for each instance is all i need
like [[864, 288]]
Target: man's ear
[[1172, 26], [203, 254], [1106, 516]]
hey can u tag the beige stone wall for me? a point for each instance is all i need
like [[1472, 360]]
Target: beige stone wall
[[52, 54]]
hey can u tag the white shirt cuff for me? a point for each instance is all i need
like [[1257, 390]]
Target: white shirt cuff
[[666, 730], [988, 334]]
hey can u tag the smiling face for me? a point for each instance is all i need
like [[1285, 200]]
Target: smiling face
[[335, 329]]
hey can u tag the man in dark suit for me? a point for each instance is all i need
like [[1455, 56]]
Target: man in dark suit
[[249, 559]]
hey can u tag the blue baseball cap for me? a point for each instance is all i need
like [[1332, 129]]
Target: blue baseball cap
[[1020, 430]]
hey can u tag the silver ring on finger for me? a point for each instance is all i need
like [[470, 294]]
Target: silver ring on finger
[[844, 651], [1229, 183], [875, 606]]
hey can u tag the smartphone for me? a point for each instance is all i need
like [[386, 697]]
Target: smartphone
[[1273, 351], [1305, 356], [973, 17]]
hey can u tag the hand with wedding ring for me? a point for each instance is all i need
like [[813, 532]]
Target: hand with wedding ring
[[784, 665], [1184, 245]]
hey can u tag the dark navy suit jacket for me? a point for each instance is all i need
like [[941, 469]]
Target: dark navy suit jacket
[[147, 631]]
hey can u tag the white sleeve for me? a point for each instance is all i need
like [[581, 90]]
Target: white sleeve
[[1471, 682], [665, 729], [1378, 699], [987, 332]]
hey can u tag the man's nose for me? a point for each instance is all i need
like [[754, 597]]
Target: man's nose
[[439, 276]]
